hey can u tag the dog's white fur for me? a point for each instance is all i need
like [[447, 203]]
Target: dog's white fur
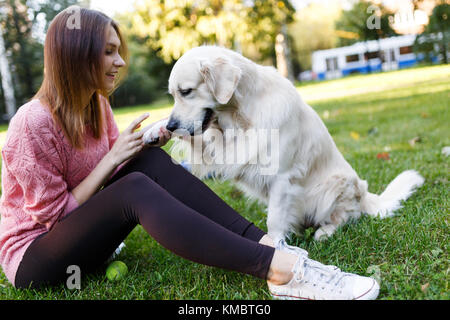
[[314, 184]]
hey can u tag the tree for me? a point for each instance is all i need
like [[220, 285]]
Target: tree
[[266, 26], [173, 27], [5, 72], [314, 29], [147, 76], [368, 21], [19, 42], [25, 50], [434, 40]]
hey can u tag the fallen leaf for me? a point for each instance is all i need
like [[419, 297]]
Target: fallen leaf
[[354, 135], [414, 140], [425, 286], [383, 156], [436, 252]]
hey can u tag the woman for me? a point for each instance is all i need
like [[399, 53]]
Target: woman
[[74, 188]]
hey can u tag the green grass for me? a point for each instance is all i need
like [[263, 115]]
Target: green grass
[[409, 252]]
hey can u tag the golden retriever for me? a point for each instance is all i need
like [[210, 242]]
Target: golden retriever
[[246, 123]]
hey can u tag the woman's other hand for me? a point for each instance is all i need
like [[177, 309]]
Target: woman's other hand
[[129, 142]]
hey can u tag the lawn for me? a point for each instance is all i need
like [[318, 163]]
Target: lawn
[[402, 114]]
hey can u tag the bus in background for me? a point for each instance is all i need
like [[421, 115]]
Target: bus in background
[[365, 57]]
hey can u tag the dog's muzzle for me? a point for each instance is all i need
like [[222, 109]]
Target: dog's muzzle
[[173, 125]]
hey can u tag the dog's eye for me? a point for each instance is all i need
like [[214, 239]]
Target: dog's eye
[[185, 92]]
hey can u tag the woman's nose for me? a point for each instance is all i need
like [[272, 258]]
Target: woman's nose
[[119, 62]]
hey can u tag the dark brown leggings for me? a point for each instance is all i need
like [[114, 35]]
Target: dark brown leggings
[[174, 207]]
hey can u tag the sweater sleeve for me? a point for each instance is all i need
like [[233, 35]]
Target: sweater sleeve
[[33, 157], [112, 129]]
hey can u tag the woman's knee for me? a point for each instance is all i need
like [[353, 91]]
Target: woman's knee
[[152, 162], [137, 186], [134, 180], [154, 154]]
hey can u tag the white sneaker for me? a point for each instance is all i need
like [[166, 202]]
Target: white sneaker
[[283, 246], [314, 281], [116, 252]]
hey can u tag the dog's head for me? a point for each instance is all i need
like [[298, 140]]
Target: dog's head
[[201, 80]]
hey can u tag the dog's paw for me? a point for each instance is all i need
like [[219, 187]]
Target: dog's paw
[[324, 232], [151, 135]]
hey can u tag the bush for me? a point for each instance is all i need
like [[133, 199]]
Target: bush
[[138, 88], [147, 77]]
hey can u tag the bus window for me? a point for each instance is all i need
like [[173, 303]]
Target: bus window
[[352, 58], [406, 50], [371, 55]]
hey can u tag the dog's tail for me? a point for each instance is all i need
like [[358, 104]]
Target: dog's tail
[[401, 188]]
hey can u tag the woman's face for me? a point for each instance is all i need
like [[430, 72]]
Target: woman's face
[[112, 61]]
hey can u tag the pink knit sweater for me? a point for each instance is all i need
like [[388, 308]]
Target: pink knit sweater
[[39, 170]]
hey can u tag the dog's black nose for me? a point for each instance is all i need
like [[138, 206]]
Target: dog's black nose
[[173, 125]]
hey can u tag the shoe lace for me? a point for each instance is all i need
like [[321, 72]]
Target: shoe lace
[[326, 277], [282, 245]]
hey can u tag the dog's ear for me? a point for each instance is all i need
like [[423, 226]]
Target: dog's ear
[[221, 77]]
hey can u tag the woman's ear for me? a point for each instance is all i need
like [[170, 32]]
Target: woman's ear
[[221, 77]]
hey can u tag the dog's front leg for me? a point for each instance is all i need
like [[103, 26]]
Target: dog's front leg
[[151, 134], [284, 209]]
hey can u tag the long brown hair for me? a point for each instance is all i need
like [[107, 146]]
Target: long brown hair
[[73, 67]]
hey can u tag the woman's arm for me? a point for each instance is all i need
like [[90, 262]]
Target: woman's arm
[[127, 145]]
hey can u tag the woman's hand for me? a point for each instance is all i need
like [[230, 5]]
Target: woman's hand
[[127, 145], [129, 142]]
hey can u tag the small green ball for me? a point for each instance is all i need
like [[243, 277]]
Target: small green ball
[[116, 270]]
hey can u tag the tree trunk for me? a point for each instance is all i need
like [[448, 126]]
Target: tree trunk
[[8, 89], [445, 45], [282, 51], [25, 62]]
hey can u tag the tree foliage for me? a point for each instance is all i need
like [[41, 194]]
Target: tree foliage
[[146, 79], [313, 29], [160, 31], [171, 27], [367, 21], [436, 36], [19, 19]]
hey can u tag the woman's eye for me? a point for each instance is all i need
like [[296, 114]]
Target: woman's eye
[[185, 92]]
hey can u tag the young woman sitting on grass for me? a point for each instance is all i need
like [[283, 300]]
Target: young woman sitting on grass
[[74, 188]]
